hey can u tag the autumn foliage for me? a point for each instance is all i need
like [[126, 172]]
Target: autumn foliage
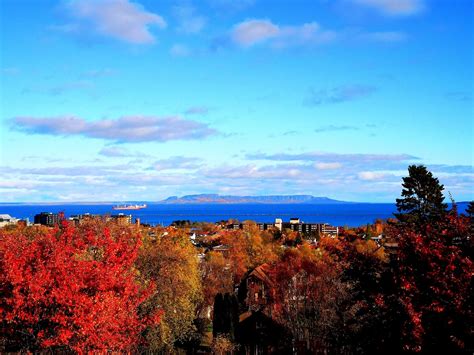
[[308, 296], [71, 289], [170, 262], [434, 274]]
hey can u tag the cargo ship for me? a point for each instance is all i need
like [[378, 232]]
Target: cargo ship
[[129, 207]]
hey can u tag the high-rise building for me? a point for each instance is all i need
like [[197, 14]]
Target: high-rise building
[[122, 219], [295, 224], [47, 219]]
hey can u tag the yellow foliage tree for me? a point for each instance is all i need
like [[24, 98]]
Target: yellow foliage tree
[[171, 262]]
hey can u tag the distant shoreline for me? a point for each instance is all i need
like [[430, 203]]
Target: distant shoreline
[[204, 199], [95, 203], [92, 203]]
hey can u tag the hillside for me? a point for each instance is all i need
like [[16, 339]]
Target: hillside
[[273, 199]]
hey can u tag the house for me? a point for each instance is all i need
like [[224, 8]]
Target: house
[[257, 288], [6, 219], [260, 334], [223, 249], [377, 239]]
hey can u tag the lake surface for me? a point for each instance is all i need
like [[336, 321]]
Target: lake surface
[[354, 214]]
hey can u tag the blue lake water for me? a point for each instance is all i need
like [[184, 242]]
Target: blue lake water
[[354, 214]]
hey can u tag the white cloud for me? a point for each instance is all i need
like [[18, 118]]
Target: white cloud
[[113, 152], [327, 166], [124, 129], [120, 19], [176, 162], [393, 7], [348, 160], [254, 31], [371, 175], [250, 32], [119, 152], [308, 33]]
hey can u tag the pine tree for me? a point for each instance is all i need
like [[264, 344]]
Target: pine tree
[[422, 198], [470, 210], [470, 214]]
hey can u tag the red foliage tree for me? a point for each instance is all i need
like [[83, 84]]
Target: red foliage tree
[[435, 279], [71, 289]]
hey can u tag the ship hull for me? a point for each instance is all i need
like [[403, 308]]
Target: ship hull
[[131, 207]]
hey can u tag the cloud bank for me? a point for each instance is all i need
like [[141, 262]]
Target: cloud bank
[[328, 159], [123, 129], [375, 177]]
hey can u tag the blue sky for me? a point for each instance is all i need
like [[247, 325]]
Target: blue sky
[[119, 100]]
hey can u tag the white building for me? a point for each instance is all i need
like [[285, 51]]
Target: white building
[[6, 219]]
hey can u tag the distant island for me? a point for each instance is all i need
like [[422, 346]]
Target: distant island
[[228, 199]]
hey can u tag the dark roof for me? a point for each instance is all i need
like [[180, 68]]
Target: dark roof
[[261, 273]]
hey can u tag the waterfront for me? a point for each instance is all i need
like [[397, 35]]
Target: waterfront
[[353, 214]]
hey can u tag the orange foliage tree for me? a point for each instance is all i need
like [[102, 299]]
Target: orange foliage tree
[[248, 248], [216, 278], [310, 299]]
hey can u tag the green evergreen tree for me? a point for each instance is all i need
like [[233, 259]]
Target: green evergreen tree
[[368, 232], [422, 198], [470, 214], [470, 210]]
